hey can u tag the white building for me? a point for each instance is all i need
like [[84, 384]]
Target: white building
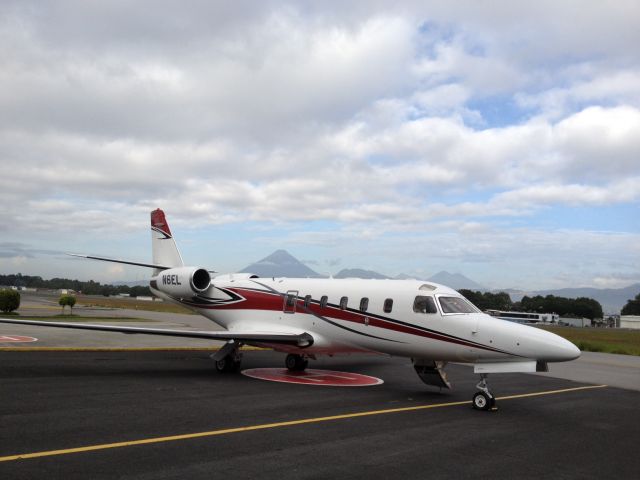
[[524, 317], [575, 322], [630, 321]]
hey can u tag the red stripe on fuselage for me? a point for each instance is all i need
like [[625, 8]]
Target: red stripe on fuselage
[[272, 301]]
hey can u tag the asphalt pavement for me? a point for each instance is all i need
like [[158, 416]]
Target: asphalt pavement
[[169, 415]]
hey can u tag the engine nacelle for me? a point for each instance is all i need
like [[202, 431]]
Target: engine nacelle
[[182, 281]]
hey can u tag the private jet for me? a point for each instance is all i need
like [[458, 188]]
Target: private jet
[[304, 318]]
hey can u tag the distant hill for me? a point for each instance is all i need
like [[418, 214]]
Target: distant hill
[[280, 264], [359, 273], [456, 281], [404, 276], [611, 299]]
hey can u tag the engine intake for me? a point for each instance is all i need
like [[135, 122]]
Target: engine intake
[[182, 281]]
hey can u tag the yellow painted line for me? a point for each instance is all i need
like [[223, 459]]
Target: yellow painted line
[[226, 431], [551, 392], [117, 349]]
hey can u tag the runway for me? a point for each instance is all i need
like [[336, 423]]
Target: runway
[[168, 414]]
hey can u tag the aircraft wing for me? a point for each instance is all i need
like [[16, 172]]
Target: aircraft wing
[[301, 340]]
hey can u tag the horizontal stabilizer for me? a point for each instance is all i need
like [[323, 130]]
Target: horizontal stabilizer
[[302, 340]]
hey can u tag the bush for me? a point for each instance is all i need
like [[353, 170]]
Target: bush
[[67, 300], [9, 300], [590, 346]]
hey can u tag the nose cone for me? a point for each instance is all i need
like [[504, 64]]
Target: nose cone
[[574, 351], [554, 348]]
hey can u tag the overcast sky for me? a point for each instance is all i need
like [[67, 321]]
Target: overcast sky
[[496, 139]]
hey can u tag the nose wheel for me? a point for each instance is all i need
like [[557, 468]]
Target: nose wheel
[[484, 400]]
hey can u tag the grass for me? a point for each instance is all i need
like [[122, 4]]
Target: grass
[[131, 303], [606, 340]]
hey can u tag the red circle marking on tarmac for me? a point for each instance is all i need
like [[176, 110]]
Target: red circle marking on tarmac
[[325, 378], [16, 339]]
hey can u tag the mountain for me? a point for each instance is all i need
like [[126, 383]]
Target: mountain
[[404, 276], [359, 273], [611, 299], [453, 280], [280, 264], [456, 281]]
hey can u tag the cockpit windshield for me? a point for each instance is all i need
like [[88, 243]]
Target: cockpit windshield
[[456, 305]]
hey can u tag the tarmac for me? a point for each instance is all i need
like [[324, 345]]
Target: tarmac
[[110, 411]]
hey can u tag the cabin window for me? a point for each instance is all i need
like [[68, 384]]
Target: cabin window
[[307, 301], [343, 302], [323, 301], [388, 305], [424, 304], [364, 304], [291, 299], [456, 305]]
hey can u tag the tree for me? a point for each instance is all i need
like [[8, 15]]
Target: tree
[[88, 288], [588, 308], [632, 307], [9, 300], [67, 300], [579, 307], [488, 300]]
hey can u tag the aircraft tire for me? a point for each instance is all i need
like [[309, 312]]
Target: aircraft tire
[[482, 401], [227, 365], [296, 363]]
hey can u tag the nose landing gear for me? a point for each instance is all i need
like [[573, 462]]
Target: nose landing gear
[[484, 400]]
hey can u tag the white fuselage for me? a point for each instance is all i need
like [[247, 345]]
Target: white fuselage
[[293, 305]]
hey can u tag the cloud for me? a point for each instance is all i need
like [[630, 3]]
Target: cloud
[[624, 191], [118, 90], [377, 121], [23, 250], [617, 281], [390, 174], [588, 84]]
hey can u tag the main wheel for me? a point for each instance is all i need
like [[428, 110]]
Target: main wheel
[[482, 401], [227, 364], [296, 363]]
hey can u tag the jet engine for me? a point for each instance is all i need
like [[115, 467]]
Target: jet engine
[[182, 281]]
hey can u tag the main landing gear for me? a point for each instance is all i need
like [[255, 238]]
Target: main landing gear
[[296, 363], [484, 400], [228, 358]]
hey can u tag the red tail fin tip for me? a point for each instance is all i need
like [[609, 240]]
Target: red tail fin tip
[[159, 222]]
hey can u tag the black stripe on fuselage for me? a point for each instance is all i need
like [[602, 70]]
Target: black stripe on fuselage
[[309, 312], [391, 320]]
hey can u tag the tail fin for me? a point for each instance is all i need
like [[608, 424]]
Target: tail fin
[[163, 246]]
